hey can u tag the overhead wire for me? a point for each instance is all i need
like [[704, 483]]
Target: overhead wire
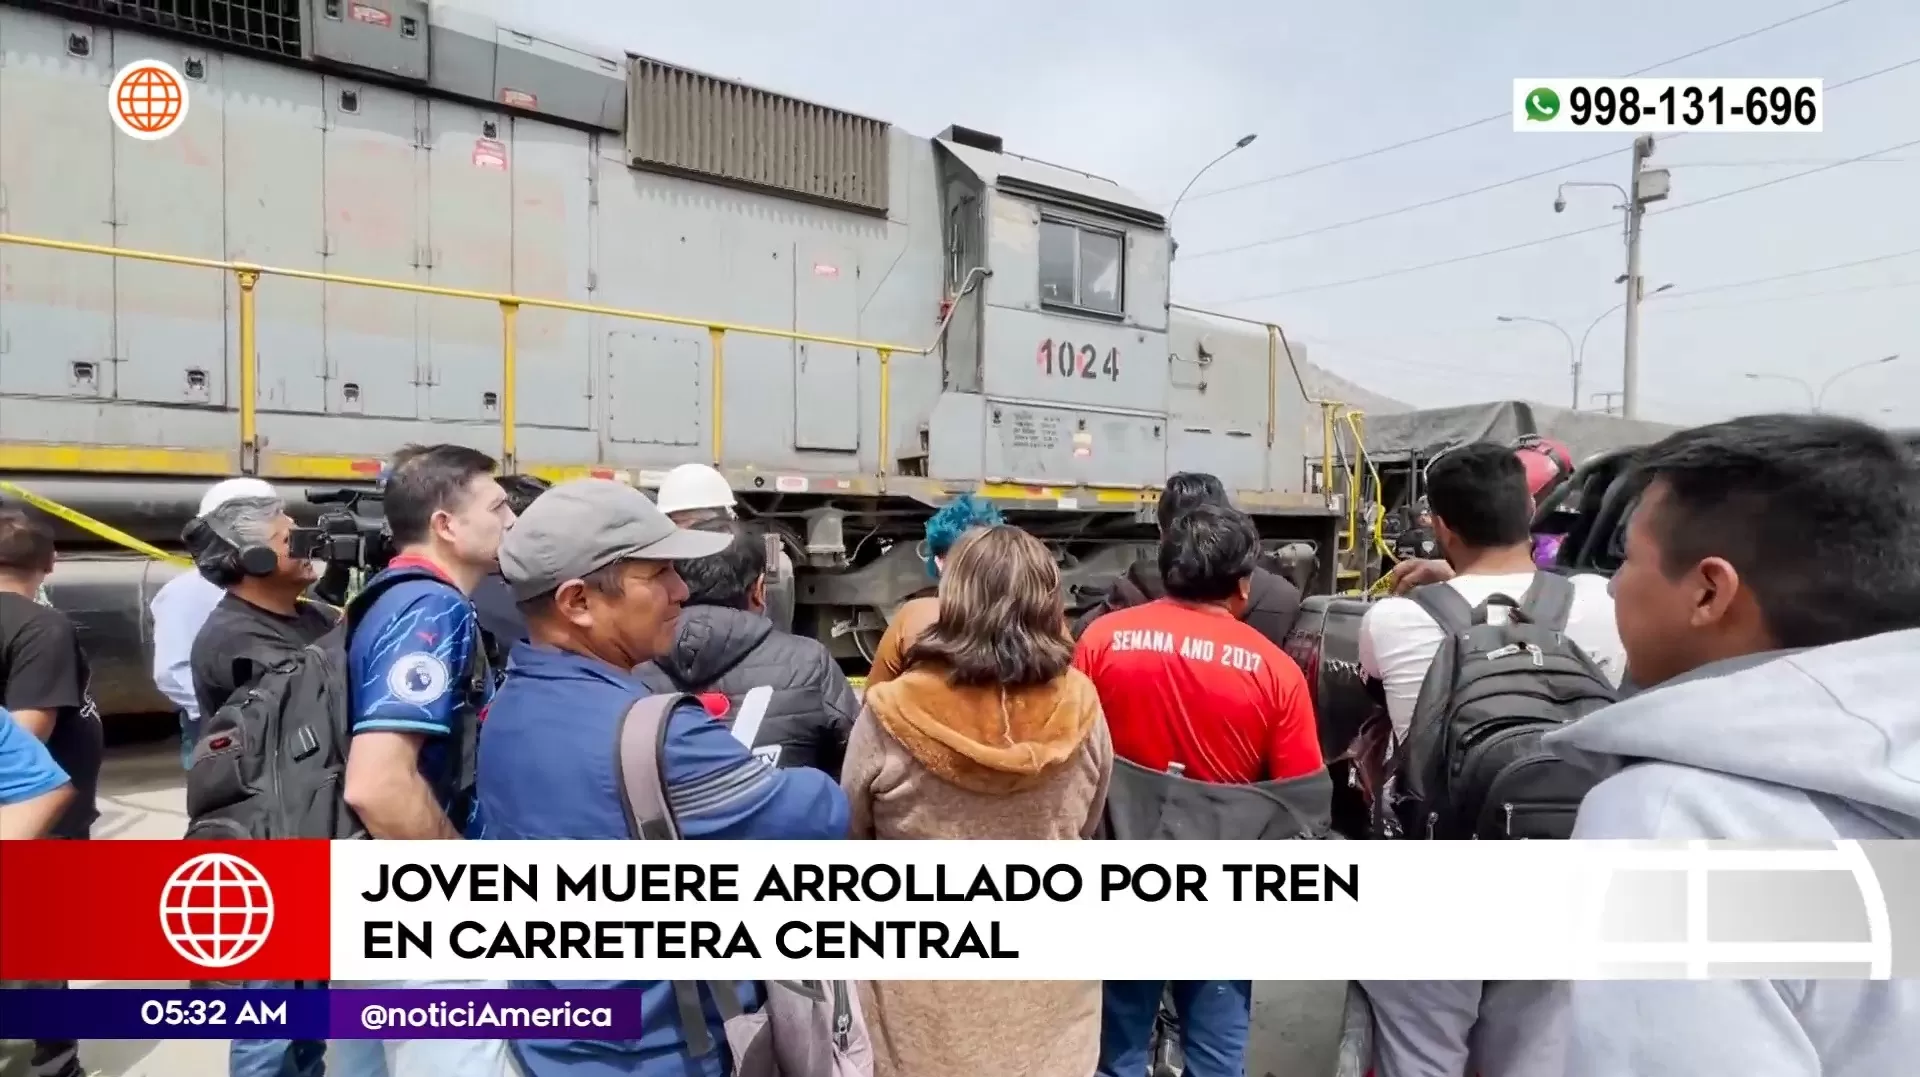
[[1790, 297], [1785, 162], [1498, 116], [1665, 306], [1673, 302], [1394, 212], [1556, 237], [1422, 365], [1756, 281], [1540, 174]]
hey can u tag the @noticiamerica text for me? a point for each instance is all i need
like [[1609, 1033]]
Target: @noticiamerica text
[[375, 1018]]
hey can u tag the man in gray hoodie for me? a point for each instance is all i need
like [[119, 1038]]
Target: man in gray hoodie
[[1769, 606]]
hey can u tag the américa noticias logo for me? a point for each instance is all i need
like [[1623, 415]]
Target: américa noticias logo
[[216, 910], [148, 100]]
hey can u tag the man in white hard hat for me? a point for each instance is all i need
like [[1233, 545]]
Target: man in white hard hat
[[181, 607], [694, 492]]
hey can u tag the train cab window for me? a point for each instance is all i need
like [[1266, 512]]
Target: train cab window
[[1082, 268]]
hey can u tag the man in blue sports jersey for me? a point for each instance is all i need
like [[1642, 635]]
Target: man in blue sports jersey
[[419, 682], [414, 659]]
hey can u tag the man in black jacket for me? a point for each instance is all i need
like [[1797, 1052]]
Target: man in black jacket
[[1273, 603], [725, 645]]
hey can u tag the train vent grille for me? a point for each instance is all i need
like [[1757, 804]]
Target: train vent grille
[[685, 122], [270, 26]]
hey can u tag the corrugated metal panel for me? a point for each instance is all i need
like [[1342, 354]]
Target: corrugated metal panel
[[683, 121], [273, 26]]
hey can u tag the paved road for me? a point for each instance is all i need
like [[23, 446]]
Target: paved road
[[1295, 1025]]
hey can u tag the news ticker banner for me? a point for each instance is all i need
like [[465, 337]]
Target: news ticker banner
[[982, 910], [319, 1014]]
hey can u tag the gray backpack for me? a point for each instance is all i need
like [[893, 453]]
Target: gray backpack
[[806, 1028], [1473, 765]]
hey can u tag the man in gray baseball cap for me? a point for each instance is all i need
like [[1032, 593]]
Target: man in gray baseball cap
[[591, 563], [594, 559]]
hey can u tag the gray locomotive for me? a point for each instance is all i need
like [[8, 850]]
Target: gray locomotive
[[383, 221]]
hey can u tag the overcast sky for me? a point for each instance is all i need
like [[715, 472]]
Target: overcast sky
[[1145, 96]]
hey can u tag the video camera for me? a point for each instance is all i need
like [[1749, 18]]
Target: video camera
[[346, 534]]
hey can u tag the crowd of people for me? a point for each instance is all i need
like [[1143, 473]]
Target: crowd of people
[[1748, 669]]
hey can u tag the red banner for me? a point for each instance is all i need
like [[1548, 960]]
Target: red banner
[[164, 910]]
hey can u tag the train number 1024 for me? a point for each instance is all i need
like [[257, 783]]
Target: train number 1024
[[1085, 361]]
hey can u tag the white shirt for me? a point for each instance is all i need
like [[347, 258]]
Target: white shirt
[[1398, 639], [179, 609]]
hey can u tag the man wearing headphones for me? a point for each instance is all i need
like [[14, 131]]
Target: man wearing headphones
[[179, 610], [241, 547]]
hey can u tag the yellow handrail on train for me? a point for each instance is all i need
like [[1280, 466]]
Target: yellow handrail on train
[[1377, 532], [247, 277], [1357, 469]]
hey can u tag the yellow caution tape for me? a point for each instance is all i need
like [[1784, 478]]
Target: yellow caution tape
[[92, 526]]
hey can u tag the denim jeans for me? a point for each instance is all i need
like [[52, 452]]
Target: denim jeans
[[1214, 1015], [276, 1058], [421, 1058]]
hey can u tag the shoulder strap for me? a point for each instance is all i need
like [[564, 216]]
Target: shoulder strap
[[1549, 601], [477, 690], [643, 790], [360, 603], [1446, 606], [693, 1016]]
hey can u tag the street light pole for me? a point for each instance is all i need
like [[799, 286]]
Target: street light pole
[[1817, 398], [1820, 398], [1573, 356], [1813, 402], [1645, 185], [1245, 141], [1580, 358], [1648, 186]]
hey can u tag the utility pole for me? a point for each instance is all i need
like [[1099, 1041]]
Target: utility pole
[[1648, 185]]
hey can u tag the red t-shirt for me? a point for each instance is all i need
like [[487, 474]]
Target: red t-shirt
[[1192, 685]]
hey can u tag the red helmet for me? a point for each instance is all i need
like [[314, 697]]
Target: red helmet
[[1548, 463]]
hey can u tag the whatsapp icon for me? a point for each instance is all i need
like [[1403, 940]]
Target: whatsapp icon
[[1542, 105]]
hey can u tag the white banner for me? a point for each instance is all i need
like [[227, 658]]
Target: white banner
[[1006, 910]]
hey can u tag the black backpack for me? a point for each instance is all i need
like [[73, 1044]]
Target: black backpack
[[1472, 765], [272, 762]]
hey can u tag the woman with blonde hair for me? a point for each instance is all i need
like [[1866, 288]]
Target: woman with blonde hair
[[956, 520], [988, 733]]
